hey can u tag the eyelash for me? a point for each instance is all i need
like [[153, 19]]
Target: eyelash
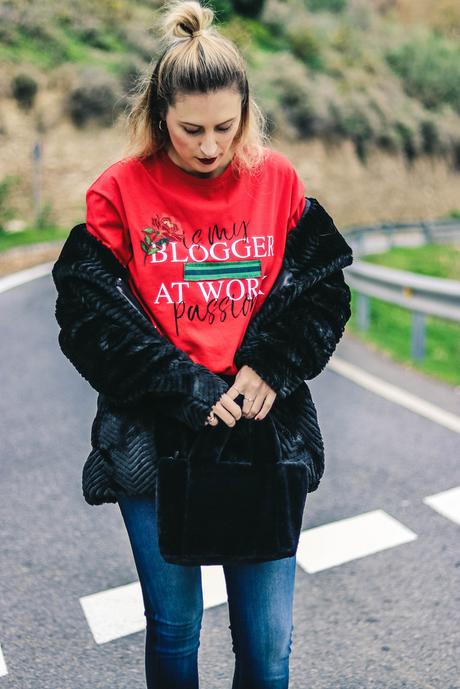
[[226, 129]]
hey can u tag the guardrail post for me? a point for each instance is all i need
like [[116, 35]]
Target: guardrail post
[[418, 335], [360, 243], [363, 311], [427, 231], [391, 240]]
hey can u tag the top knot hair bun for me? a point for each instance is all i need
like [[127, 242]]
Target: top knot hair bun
[[184, 19]]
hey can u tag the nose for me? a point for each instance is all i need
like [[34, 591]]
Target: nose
[[208, 149]]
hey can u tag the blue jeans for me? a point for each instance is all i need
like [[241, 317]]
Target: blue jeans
[[260, 601]]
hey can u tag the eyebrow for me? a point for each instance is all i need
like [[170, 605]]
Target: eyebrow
[[217, 125]]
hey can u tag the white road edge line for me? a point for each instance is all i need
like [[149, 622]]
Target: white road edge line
[[22, 276], [395, 394]]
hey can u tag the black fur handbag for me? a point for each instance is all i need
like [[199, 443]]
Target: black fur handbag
[[214, 508]]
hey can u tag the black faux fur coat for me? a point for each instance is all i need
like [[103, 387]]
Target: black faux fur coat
[[153, 399]]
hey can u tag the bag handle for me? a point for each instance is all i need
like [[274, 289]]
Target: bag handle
[[209, 444]]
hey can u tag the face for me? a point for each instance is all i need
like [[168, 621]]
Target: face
[[203, 126]]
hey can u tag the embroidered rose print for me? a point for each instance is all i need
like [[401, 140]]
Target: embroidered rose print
[[158, 236]]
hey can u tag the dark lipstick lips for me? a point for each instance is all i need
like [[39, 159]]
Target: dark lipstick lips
[[207, 161]]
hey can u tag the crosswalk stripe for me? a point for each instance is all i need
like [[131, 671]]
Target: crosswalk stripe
[[333, 544], [446, 503], [3, 668], [114, 612], [119, 611], [214, 586]]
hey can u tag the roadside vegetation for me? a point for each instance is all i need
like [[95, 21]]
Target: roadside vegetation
[[390, 325]]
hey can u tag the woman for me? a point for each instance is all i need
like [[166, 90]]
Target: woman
[[198, 215]]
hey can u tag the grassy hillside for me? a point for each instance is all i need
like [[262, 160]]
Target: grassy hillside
[[380, 75], [384, 74]]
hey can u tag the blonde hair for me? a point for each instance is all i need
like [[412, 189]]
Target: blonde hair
[[195, 58]]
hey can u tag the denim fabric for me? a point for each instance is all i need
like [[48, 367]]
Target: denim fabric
[[260, 602]]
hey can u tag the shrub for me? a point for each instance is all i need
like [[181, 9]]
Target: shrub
[[326, 5], [388, 139], [348, 42], [431, 139], [129, 73], [298, 105], [45, 217], [24, 88], [408, 139], [6, 209], [223, 9], [264, 38], [306, 45], [95, 98], [429, 66], [237, 30], [275, 16], [249, 8], [358, 127]]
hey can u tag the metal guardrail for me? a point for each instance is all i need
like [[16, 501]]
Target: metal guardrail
[[421, 295]]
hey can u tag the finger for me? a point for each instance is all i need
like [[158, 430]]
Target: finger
[[248, 405], [233, 391], [214, 422], [223, 414], [253, 404], [232, 407], [267, 405]]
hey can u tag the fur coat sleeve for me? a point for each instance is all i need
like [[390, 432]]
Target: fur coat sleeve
[[296, 331], [117, 349]]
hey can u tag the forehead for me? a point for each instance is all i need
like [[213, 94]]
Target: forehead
[[207, 107]]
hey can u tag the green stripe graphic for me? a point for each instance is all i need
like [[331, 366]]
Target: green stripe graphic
[[215, 270]]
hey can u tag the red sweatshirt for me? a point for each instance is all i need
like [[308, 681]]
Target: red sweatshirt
[[202, 253]]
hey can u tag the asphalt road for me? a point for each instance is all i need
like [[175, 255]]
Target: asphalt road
[[384, 620]]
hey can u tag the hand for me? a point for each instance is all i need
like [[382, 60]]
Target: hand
[[259, 398]]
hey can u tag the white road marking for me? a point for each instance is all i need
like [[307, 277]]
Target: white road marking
[[446, 503], [23, 276], [395, 394], [119, 611], [214, 586], [115, 612], [347, 539], [3, 668]]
